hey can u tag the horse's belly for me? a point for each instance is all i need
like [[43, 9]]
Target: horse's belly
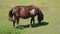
[[24, 15]]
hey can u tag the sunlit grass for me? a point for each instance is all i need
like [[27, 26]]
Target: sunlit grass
[[52, 17]]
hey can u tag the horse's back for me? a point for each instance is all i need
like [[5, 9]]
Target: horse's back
[[25, 11]]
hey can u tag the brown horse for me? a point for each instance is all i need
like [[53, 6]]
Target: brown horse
[[25, 12]]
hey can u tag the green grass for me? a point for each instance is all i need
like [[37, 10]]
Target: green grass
[[52, 17]]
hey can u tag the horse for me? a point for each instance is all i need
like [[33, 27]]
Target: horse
[[25, 12]]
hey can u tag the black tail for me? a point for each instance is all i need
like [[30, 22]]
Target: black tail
[[10, 15]]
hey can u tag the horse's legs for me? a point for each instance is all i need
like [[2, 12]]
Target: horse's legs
[[32, 20], [31, 23], [14, 24], [17, 21], [14, 21]]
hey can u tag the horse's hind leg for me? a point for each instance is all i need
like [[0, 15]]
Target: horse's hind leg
[[17, 21], [14, 22]]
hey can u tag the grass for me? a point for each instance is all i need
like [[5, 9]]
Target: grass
[[52, 17]]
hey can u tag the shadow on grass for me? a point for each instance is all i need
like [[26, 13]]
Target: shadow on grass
[[33, 25]]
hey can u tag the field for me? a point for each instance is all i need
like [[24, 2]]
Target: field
[[50, 9]]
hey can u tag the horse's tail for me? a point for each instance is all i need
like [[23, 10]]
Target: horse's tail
[[10, 15]]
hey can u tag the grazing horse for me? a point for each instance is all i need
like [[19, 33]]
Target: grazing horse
[[25, 12]]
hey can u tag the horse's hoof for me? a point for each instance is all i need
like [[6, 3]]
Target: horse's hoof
[[30, 26]]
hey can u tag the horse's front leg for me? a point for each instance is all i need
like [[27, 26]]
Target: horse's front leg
[[32, 20], [31, 23]]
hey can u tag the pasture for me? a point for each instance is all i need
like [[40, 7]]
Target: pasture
[[50, 9]]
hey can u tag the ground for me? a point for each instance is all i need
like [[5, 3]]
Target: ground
[[50, 9]]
